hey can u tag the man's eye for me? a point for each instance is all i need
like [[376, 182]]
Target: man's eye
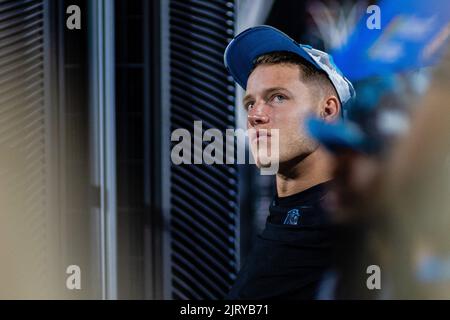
[[248, 105], [278, 98]]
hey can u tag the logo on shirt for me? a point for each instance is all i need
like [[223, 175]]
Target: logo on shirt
[[292, 217]]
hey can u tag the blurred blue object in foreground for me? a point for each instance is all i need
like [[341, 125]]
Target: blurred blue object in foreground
[[433, 270], [371, 91], [337, 136], [413, 34]]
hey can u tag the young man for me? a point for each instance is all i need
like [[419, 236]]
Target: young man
[[286, 82]]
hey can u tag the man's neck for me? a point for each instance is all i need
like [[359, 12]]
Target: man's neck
[[312, 170]]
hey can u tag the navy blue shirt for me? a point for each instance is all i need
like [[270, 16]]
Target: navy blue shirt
[[292, 253]]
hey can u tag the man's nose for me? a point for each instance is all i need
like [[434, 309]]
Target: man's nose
[[258, 115]]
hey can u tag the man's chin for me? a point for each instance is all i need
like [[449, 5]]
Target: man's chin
[[263, 160], [263, 164]]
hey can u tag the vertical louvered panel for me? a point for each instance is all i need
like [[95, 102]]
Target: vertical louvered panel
[[203, 197], [23, 173]]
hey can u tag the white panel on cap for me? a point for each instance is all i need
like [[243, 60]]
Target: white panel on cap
[[343, 86]]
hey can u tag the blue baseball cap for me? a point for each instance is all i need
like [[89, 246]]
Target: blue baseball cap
[[250, 44]]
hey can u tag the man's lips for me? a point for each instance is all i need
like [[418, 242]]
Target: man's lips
[[260, 135]]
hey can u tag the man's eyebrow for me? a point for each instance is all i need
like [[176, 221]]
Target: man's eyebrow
[[269, 90], [246, 98]]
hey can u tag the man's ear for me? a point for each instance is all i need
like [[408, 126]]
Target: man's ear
[[331, 109]]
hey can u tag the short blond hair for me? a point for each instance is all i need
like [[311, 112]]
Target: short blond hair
[[309, 74]]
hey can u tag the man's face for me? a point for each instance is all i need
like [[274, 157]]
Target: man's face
[[276, 98]]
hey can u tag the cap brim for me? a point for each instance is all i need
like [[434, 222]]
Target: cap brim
[[254, 42]]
